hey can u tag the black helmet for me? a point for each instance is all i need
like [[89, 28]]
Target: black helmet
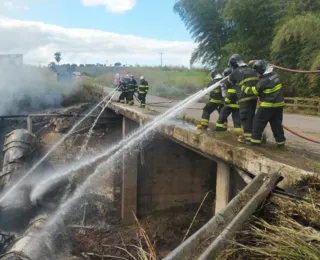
[[260, 66], [227, 72], [235, 61], [215, 74]]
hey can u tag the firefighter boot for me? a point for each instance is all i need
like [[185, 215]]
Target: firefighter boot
[[202, 127], [242, 140]]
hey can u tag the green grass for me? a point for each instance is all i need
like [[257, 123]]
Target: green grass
[[168, 83]]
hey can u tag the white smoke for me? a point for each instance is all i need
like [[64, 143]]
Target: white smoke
[[25, 89]]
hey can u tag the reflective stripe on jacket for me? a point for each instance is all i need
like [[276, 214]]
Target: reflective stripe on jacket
[[269, 89]]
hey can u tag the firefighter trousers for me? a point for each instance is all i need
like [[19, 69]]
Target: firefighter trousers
[[272, 115], [209, 108], [130, 97], [225, 112], [247, 112], [142, 98], [123, 97]]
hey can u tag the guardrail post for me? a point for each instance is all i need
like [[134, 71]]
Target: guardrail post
[[29, 124]]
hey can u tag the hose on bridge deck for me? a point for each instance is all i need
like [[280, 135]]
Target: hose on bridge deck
[[300, 135], [285, 127]]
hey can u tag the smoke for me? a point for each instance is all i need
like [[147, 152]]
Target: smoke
[[25, 89]]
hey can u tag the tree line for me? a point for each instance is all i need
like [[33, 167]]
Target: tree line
[[284, 32]]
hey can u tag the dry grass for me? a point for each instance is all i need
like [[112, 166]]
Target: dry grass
[[288, 229]]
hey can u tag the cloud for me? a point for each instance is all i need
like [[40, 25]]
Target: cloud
[[38, 41], [115, 6], [14, 5]]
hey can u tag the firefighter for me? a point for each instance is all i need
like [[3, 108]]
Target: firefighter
[[215, 102], [231, 106], [123, 87], [270, 91], [132, 88], [143, 91], [243, 76]]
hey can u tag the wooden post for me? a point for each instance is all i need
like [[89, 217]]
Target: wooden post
[[218, 223], [29, 124], [295, 103], [236, 224]]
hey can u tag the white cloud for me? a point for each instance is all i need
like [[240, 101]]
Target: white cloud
[[115, 6], [14, 5], [38, 41]]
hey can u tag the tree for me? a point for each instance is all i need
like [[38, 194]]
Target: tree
[[205, 22], [284, 32], [58, 57], [52, 66], [117, 64]]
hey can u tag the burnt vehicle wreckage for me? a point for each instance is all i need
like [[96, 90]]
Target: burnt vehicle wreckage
[[20, 217], [23, 219]]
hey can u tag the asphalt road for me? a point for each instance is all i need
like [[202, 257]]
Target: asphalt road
[[306, 125]]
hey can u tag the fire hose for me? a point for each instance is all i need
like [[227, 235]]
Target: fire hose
[[300, 72], [285, 127]]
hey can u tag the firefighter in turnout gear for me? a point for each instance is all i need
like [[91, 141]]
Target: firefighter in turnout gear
[[243, 77], [215, 102], [143, 91], [132, 88], [123, 87], [270, 91], [231, 106]]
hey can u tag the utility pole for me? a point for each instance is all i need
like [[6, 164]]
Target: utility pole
[[161, 57]]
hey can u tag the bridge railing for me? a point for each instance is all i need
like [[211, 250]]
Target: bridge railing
[[307, 104]]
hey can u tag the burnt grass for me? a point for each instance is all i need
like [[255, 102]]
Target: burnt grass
[[165, 229]]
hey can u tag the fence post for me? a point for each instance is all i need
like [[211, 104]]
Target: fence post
[[295, 102]]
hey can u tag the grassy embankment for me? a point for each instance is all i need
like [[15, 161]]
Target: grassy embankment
[[168, 82]]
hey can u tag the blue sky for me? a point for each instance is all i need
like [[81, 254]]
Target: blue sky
[[151, 23], [148, 18]]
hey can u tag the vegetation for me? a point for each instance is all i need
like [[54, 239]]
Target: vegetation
[[284, 32], [286, 229], [167, 82]]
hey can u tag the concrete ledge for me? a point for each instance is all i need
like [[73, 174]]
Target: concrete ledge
[[221, 146]]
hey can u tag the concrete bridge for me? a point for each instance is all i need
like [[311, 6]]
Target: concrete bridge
[[179, 165]]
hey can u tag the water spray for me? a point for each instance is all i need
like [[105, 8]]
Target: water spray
[[86, 141], [16, 185], [130, 141], [46, 183]]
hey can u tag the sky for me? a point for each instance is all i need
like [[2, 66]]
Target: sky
[[94, 31]]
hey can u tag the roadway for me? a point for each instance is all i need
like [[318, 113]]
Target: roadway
[[303, 124]]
